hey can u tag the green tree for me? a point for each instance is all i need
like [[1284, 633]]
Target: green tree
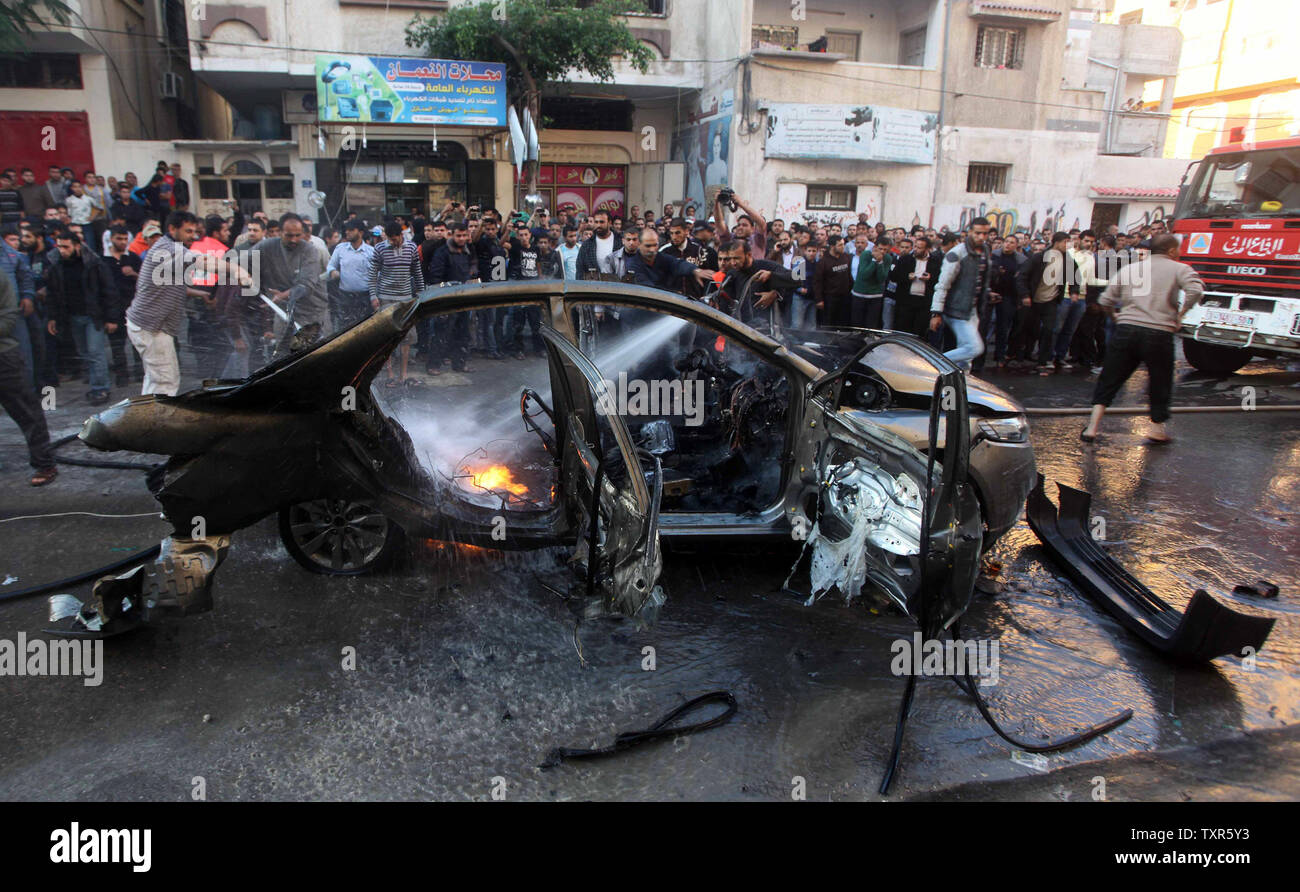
[[21, 18], [538, 40]]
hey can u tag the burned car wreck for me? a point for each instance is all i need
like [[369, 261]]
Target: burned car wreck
[[642, 417], [766, 444]]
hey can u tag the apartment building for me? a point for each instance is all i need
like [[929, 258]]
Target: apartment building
[[936, 112], [1237, 80], [111, 90]]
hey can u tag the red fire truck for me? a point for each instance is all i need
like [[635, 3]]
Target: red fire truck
[[1238, 218]]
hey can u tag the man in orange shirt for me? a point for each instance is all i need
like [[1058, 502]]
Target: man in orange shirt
[[144, 240]]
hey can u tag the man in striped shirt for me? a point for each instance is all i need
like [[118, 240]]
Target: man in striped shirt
[[153, 320], [395, 276]]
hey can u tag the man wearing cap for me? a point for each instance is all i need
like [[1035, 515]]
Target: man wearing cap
[[541, 219], [141, 244], [702, 232]]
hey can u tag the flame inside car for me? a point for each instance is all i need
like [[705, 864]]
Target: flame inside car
[[498, 478]]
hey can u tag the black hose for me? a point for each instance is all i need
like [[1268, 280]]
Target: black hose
[[658, 730], [967, 683], [107, 570]]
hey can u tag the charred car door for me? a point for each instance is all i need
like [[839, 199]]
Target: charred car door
[[610, 490], [883, 511]]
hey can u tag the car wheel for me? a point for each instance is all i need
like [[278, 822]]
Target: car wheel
[[339, 537], [1214, 359]]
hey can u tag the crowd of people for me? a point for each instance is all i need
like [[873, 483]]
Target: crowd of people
[[87, 263]]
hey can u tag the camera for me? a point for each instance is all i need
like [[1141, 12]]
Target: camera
[[727, 198]]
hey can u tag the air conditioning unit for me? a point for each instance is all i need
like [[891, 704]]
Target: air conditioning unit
[[171, 86]]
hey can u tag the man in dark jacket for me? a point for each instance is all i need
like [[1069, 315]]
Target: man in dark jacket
[[682, 248], [999, 311], [11, 202], [453, 262], [915, 275], [16, 393], [752, 288], [131, 214], [81, 296], [832, 281], [1042, 285], [652, 267]]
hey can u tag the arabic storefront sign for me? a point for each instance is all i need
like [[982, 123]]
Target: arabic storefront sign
[[852, 133], [387, 90]]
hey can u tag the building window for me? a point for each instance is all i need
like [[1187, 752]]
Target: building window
[[279, 188], [574, 113], [213, 189], [985, 178], [999, 47], [652, 7], [831, 198], [55, 71], [172, 15]]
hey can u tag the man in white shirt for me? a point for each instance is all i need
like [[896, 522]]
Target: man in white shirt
[[79, 205], [862, 246]]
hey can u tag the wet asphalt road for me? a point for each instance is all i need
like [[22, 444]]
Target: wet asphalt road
[[467, 670]]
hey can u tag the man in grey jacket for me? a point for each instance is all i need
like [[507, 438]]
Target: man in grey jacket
[[963, 285], [293, 272], [1144, 299]]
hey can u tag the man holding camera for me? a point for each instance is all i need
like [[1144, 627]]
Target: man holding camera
[[750, 226]]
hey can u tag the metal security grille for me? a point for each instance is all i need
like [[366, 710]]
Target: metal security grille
[[999, 47], [987, 177], [782, 35], [831, 198]]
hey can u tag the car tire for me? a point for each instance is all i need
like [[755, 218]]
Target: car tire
[[1214, 359], [339, 537]]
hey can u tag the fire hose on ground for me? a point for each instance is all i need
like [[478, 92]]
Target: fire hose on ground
[[117, 566]]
